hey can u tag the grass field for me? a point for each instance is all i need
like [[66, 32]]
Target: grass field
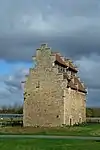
[[87, 130], [48, 144]]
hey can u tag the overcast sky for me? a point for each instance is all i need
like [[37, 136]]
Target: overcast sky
[[71, 27]]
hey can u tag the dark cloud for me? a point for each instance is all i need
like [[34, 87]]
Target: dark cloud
[[93, 99], [22, 48], [89, 70], [71, 27]]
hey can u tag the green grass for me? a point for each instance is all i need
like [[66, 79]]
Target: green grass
[[87, 130], [47, 144]]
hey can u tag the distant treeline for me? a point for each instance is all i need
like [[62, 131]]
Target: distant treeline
[[93, 112], [11, 110], [90, 112]]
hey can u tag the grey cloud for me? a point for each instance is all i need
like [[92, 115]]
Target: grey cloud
[[90, 71], [73, 27], [93, 99], [11, 91], [69, 26], [15, 98], [4, 92], [13, 82], [21, 49]]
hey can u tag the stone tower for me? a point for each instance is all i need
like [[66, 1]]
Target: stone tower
[[53, 93]]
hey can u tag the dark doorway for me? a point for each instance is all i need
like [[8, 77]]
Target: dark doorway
[[70, 121], [80, 120]]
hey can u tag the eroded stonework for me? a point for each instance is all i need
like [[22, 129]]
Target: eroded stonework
[[53, 94]]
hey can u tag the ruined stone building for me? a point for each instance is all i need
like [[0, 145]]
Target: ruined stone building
[[53, 93]]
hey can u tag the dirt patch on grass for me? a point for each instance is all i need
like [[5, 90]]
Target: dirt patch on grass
[[80, 131], [95, 132], [20, 130]]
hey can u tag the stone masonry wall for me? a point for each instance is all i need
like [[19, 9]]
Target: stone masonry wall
[[74, 107], [47, 100], [44, 104]]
